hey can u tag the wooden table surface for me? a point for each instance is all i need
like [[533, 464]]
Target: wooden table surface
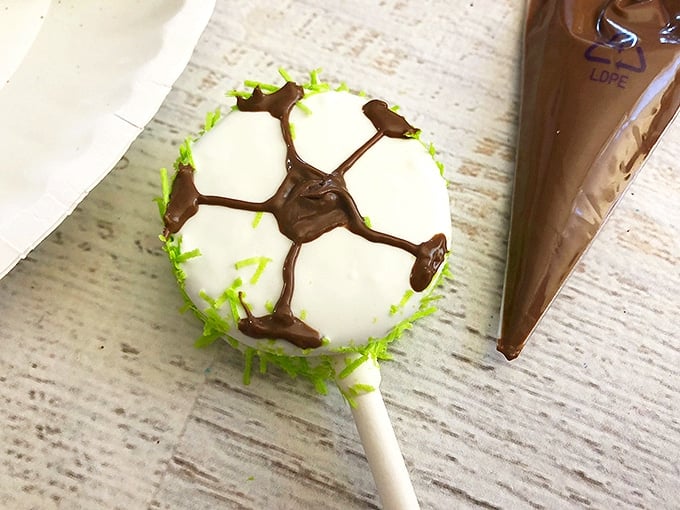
[[105, 403]]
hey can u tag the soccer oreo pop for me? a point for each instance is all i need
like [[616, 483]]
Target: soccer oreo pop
[[308, 227], [307, 221]]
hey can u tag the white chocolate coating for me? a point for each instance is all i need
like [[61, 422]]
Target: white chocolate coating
[[345, 286]]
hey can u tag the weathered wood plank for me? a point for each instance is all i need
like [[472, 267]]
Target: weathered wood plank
[[106, 404]]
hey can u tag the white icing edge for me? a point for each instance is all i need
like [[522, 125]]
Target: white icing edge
[[396, 184]]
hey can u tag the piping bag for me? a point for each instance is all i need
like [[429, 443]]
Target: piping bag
[[600, 83]]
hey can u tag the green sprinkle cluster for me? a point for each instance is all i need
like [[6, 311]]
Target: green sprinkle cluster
[[216, 324]]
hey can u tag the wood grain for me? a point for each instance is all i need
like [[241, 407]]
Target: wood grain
[[106, 404]]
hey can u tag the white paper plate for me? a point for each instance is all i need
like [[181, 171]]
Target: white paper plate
[[78, 88], [20, 23]]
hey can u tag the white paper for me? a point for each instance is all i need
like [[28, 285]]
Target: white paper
[[20, 23], [94, 75]]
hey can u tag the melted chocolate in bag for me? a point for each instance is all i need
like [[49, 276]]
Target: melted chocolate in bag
[[601, 81]]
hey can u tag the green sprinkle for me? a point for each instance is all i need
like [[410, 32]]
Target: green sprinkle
[[354, 391], [260, 269], [165, 186], [303, 107], [261, 264], [232, 341], [367, 221], [284, 74], [351, 366], [173, 247], [234, 302], [214, 323], [183, 257], [246, 262], [257, 219], [342, 87], [239, 93], [247, 371], [315, 85], [320, 386], [395, 108], [211, 119], [269, 306], [206, 340], [206, 297], [264, 86], [165, 190], [161, 210], [250, 478], [303, 314], [396, 308], [185, 155], [291, 128], [348, 397], [219, 302], [362, 388]]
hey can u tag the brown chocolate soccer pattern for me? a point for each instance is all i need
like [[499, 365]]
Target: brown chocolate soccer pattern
[[307, 204]]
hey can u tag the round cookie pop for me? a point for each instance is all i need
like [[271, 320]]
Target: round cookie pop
[[308, 228]]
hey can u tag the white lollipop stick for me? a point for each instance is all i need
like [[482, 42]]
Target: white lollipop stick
[[377, 436]]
